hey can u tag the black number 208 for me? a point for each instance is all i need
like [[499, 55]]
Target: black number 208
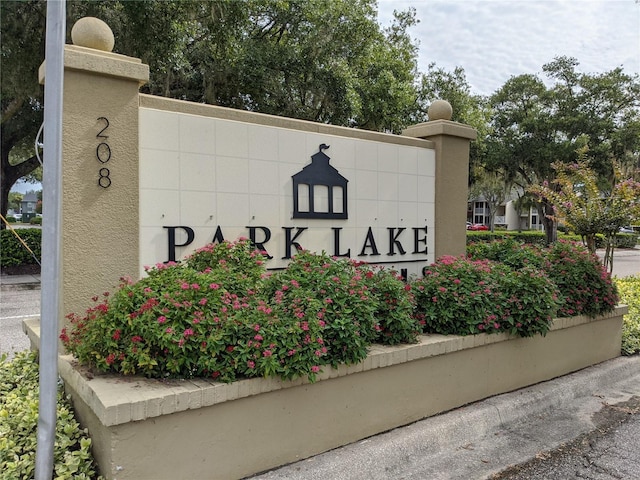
[[103, 154]]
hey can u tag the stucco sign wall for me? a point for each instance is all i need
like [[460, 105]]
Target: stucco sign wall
[[148, 179], [205, 179]]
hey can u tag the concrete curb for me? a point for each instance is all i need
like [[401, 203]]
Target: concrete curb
[[19, 286], [483, 438], [19, 282]]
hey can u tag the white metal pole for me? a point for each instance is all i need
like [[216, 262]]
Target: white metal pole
[[51, 237]]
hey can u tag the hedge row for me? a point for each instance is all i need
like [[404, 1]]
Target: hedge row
[[629, 289], [623, 240], [13, 253]]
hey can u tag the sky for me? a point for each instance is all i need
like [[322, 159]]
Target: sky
[[494, 40], [22, 187]]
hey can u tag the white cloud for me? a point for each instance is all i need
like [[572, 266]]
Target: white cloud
[[496, 39]]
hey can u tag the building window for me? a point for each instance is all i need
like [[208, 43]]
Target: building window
[[480, 212]]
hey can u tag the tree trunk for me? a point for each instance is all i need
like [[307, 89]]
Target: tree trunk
[[610, 245], [4, 199], [550, 225], [590, 242]]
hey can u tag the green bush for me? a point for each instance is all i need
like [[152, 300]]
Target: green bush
[[623, 240], [509, 251], [533, 237], [462, 296], [177, 322], [220, 315], [11, 219], [13, 253], [19, 390], [330, 292], [394, 314], [584, 285], [36, 221], [629, 289]]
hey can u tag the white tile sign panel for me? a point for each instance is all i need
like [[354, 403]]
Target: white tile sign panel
[[202, 179]]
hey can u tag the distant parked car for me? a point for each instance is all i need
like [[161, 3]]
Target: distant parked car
[[626, 230], [477, 226], [468, 225], [17, 216]]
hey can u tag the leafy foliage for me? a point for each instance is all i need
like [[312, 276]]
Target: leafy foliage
[[462, 297], [578, 199], [511, 251], [220, 315], [629, 289], [585, 287], [492, 187], [534, 125], [327, 61], [394, 314], [528, 236], [19, 390], [13, 253]]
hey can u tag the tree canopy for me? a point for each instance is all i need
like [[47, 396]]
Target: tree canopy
[[578, 200], [326, 61], [534, 125]]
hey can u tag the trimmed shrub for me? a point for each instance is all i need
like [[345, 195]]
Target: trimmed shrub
[[629, 289], [462, 297], [626, 240], [36, 221], [394, 316], [220, 315], [19, 390], [584, 285], [532, 237], [13, 253], [508, 251]]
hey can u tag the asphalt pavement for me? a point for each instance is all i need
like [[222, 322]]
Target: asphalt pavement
[[585, 425], [19, 300]]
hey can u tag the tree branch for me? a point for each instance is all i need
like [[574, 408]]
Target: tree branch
[[11, 109]]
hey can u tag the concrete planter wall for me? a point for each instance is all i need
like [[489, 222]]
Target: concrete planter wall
[[150, 429]]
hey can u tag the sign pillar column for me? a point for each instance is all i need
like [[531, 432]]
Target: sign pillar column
[[100, 219], [452, 141]]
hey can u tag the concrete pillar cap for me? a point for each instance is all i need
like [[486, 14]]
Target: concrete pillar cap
[[440, 110], [93, 33]]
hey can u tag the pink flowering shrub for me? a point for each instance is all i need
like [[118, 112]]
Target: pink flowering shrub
[[394, 302], [242, 265], [585, 287], [352, 303], [461, 296], [219, 315]]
